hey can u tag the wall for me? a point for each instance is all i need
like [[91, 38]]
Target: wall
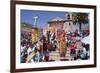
[[5, 36]]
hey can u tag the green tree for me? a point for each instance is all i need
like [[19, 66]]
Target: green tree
[[81, 18]]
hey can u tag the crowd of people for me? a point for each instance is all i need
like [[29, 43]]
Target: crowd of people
[[39, 51]]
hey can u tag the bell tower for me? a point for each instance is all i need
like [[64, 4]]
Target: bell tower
[[68, 25], [68, 16]]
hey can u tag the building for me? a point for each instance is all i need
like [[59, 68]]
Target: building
[[66, 24], [59, 24]]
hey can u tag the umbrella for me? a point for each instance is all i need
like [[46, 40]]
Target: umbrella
[[86, 40]]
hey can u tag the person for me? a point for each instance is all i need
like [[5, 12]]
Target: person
[[87, 50], [37, 57], [62, 46], [39, 51], [22, 48], [46, 58], [48, 36], [49, 46], [73, 49], [29, 51], [83, 53]]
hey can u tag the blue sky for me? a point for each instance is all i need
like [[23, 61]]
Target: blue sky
[[43, 16]]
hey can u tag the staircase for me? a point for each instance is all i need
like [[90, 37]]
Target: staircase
[[55, 55]]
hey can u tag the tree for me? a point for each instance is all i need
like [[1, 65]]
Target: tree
[[81, 18]]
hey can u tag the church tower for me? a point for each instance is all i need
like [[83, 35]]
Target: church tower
[[68, 25]]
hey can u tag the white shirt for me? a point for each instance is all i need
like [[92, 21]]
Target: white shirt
[[22, 48], [29, 50]]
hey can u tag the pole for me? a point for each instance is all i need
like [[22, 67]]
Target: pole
[[35, 20]]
